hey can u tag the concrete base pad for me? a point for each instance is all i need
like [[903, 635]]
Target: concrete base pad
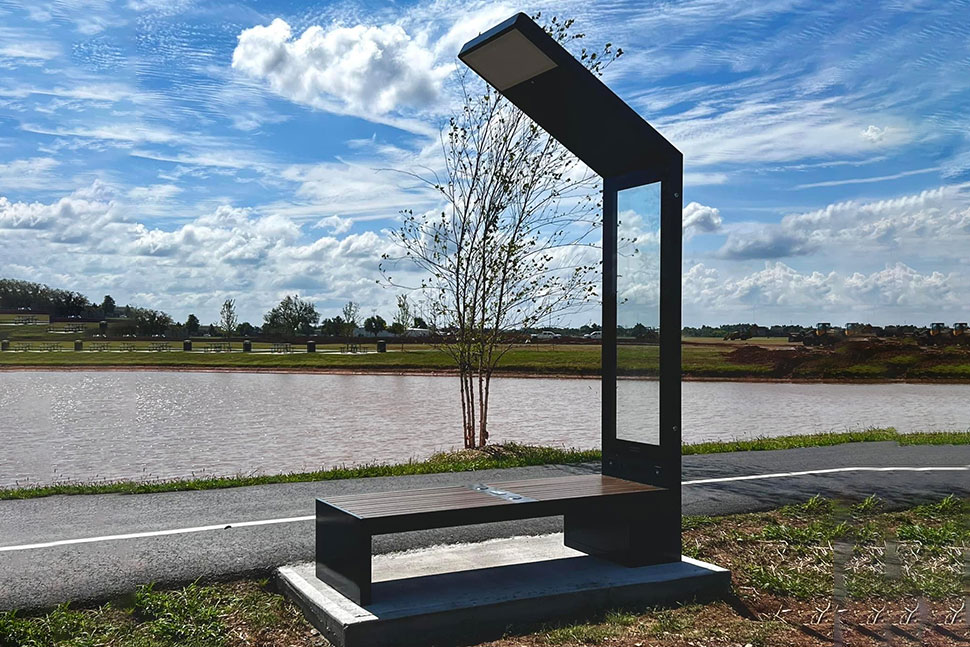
[[470, 593]]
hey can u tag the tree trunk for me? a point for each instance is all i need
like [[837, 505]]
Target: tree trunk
[[467, 406], [484, 381]]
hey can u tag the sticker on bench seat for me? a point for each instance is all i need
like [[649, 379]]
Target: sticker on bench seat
[[512, 497]]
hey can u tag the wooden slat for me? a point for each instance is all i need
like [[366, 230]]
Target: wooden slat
[[412, 502]]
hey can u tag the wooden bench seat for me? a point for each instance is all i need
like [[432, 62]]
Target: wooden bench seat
[[600, 514]]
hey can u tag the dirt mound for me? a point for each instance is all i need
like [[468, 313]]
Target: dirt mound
[[750, 354], [781, 360]]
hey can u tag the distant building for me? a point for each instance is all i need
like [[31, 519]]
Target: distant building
[[360, 332]]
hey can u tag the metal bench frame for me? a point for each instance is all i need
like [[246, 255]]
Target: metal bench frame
[[595, 508]]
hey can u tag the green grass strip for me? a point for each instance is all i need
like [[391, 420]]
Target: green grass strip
[[494, 457], [816, 440], [935, 438]]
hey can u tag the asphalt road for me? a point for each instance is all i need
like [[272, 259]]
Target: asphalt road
[[101, 567]]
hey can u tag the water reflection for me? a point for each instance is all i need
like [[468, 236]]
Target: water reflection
[[111, 425]]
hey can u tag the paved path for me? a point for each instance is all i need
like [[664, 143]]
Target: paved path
[[180, 536]]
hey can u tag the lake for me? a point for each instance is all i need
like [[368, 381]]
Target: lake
[[94, 425]]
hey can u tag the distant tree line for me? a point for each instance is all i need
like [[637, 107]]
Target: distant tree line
[[726, 329], [36, 297]]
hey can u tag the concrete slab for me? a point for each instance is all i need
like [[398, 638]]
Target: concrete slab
[[470, 593]]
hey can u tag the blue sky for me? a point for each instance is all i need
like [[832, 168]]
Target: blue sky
[[174, 153]]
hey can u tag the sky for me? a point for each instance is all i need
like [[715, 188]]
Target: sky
[[175, 153]]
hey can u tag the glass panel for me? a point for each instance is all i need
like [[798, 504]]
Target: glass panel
[[638, 314]]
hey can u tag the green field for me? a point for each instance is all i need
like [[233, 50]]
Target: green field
[[768, 359]]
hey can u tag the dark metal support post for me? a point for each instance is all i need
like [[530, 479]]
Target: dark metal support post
[[343, 553]]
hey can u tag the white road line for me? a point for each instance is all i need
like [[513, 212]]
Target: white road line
[[154, 533], [269, 522], [832, 470]]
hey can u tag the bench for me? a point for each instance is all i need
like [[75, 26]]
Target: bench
[[160, 346], [99, 346], [127, 347], [603, 516], [280, 347]]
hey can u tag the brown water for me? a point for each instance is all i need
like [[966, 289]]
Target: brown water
[[136, 425]]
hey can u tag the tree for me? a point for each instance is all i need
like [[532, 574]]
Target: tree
[[37, 297], [108, 305], [192, 325], [332, 327], [350, 312], [403, 319], [245, 329], [175, 331], [507, 249], [375, 324], [419, 322], [291, 317], [150, 323], [228, 319]]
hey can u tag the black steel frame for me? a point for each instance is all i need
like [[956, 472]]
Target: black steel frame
[[655, 464], [574, 106]]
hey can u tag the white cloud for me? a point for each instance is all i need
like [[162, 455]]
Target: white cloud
[[88, 16], [32, 173], [778, 292], [874, 134], [757, 241], [938, 217], [154, 193], [161, 7], [39, 50], [471, 23], [90, 241], [701, 179], [698, 218], [359, 189], [870, 180], [335, 224], [363, 70], [126, 133], [901, 285], [766, 128], [77, 217]]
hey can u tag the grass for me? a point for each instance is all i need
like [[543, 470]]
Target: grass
[[712, 359], [829, 439], [492, 457], [796, 441], [216, 615], [785, 565], [766, 359]]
